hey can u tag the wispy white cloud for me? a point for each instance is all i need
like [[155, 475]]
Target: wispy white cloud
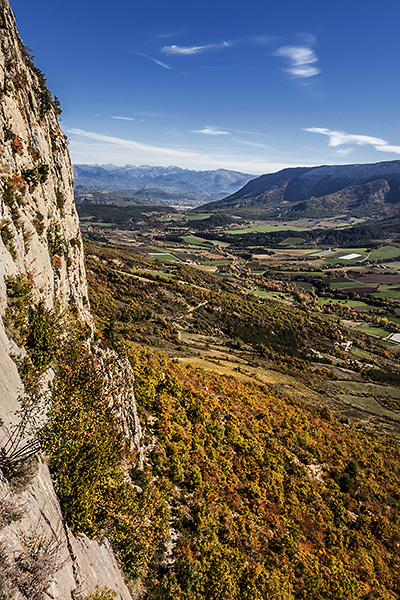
[[345, 151], [225, 131], [261, 39], [154, 60], [124, 118], [132, 144], [388, 148], [302, 61], [154, 115], [247, 132], [187, 50], [253, 144], [90, 147], [339, 138], [166, 35], [210, 131]]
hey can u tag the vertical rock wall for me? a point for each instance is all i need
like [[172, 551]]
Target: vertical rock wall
[[40, 238], [37, 205]]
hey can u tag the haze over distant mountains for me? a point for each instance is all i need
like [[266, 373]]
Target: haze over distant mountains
[[155, 185], [359, 189]]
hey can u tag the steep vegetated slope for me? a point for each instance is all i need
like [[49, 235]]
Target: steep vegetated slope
[[268, 498], [370, 189]]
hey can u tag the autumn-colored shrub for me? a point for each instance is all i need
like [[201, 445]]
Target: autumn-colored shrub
[[17, 146]]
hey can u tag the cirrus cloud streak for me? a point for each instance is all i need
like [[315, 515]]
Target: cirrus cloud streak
[[339, 138], [186, 50], [302, 61], [210, 131], [88, 146]]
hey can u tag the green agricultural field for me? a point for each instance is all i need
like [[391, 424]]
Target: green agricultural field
[[360, 353], [219, 243], [196, 241], [199, 217], [353, 303], [385, 252], [164, 257], [166, 218], [362, 400], [346, 284], [387, 294], [265, 229], [395, 266], [280, 296], [337, 256], [343, 251], [393, 319], [372, 330]]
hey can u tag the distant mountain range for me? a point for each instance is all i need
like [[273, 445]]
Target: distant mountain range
[[152, 185], [360, 190]]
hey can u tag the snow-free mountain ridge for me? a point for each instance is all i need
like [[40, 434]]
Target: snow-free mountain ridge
[[324, 190], [195, 186]]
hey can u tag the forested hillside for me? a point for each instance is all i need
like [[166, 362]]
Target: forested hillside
[[267, 496]]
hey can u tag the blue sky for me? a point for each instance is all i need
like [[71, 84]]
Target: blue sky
[[253, 85]]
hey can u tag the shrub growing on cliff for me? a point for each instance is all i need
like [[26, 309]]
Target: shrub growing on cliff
[[33, 326], [29, 573], [89, 456], [42, 336], [8, 237], [100, 594]]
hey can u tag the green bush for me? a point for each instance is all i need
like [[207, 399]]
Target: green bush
[[8, 237], [104, 593], [60, 200], [20, 473], [42, 338], [57, 244], [31, 177]]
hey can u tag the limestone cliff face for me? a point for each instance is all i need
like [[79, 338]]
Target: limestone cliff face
[[37, 207], [40, 238]]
